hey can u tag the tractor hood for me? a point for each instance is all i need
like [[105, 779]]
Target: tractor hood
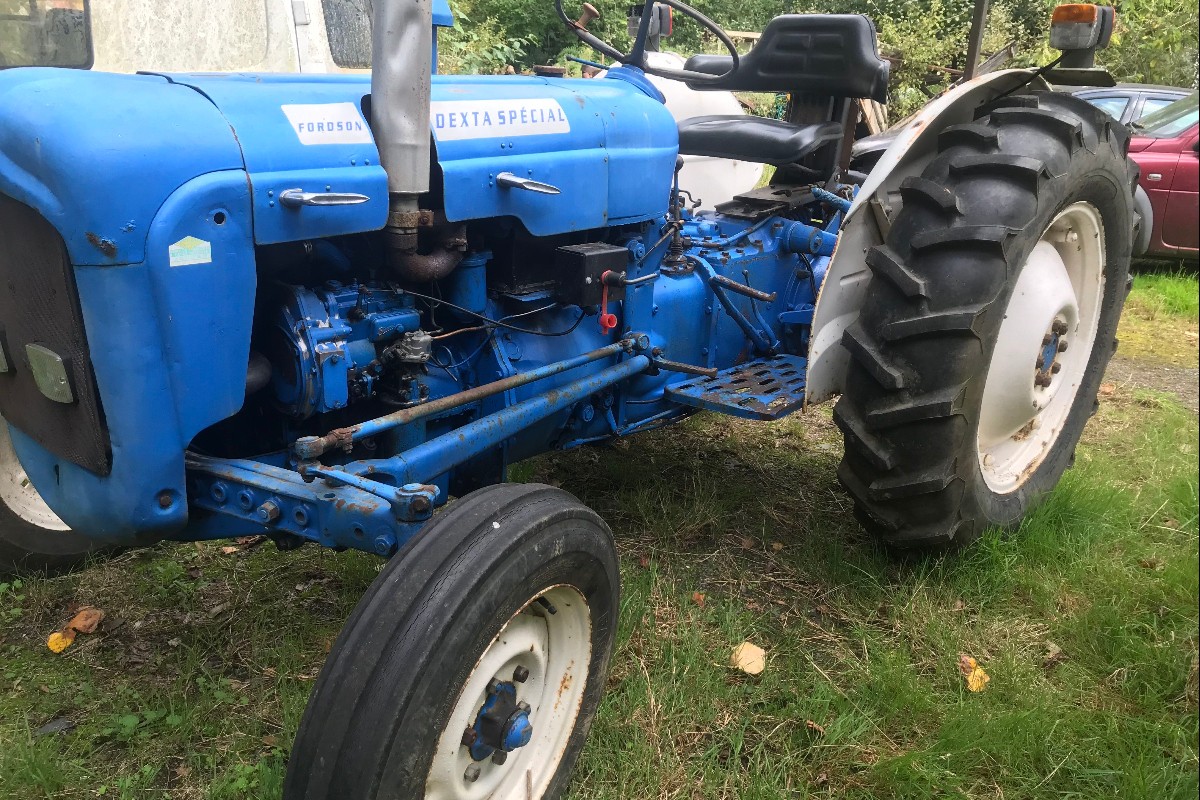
[[602, 143], [98, 154]]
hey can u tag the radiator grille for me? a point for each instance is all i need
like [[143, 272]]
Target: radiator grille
[[39, 305]]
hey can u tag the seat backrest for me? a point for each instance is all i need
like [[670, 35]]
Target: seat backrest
[[821, 54]]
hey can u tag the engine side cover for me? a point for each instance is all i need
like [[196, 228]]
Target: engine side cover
[[607, 147]]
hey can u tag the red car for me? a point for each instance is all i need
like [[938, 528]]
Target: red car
[[1164, 145]]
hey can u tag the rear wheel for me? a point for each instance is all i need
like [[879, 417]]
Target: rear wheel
[[474, 665], [32, 537], [978, 354]]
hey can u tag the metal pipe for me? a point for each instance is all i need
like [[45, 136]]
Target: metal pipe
[[401, 76], [759, 338], [310, 447], [975, 40], [426, 461]]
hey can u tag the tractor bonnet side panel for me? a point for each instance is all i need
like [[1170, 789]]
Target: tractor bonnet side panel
[[139, 185]]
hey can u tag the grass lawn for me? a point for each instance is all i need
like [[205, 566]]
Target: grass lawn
[[1086, 621]]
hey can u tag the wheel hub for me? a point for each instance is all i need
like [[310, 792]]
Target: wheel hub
[[503, 723], [1055, 301]]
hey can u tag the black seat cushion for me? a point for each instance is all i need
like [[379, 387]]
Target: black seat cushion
[[757, 139], [821, 54]]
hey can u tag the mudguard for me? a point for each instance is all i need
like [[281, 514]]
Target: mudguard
[[869, 219]]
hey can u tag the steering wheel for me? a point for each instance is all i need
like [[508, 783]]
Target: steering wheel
[[637, 56]]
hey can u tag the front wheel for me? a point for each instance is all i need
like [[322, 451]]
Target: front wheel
[[473, 666], [993, 309], [32, 537]]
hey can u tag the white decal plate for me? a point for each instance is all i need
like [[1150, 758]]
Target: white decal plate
[[190, 250], [328, 123], [494, 119]]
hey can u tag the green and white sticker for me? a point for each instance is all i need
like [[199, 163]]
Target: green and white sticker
[[190, 250]]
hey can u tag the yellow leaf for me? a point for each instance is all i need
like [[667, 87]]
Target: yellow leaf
[[60, 640], [749, 658], [976, 678]]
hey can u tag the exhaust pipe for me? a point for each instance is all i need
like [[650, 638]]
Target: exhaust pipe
[[401, 72]]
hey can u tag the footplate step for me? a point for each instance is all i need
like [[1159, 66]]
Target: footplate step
[[766, 389]]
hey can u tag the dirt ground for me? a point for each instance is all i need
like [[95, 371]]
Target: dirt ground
[[1183, 382]]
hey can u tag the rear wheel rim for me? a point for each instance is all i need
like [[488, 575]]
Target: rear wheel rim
[[1043, 349], [17, 491], [550, 638]]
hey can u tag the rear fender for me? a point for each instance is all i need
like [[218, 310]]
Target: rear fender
[[877, 203]]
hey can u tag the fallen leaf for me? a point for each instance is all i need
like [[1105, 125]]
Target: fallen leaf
[[777, 546], [218, 609], [230, 549], [182, 772], [698, 598], [976, 677], [822, 778], [175, 642], [84, 621], [269, 741], [747, 543], [749, 658], [60, 640], [814, 727], [1053, 655], [44, 689], [644, 562], [1153, 563], [959, 605], [59, 725], [1107, 389]]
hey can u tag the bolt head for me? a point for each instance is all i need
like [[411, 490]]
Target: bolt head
[[420, 504], [523, 706], [493, 686], [1062, 346], [1041, 362], [499, 757], [472, 773], [1055, 368], [1046, 340], [469, 736], [164, 500], [520, 674]]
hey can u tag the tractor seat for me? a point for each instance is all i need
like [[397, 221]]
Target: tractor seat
[[757, 139]]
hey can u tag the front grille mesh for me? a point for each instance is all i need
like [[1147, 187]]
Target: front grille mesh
[[39, 304]]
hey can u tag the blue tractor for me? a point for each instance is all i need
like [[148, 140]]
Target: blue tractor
[[320, 308]]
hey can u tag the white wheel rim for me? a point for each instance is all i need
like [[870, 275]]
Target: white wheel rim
[[1026, 401], [556, 649], [17, 492]]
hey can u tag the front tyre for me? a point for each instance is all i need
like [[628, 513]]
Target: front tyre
[[976, 358], [32, 537], [473, 666]]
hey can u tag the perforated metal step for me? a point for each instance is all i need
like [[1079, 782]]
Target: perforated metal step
[[768, 388]]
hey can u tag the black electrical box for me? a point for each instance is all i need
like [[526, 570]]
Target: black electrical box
[[579, 270]]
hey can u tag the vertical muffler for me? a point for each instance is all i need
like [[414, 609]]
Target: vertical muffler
[[401, 71]]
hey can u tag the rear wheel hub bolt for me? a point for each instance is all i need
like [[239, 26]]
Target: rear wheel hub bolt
[[472, 773], [520, 674]]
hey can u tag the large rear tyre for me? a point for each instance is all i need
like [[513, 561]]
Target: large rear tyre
[[473, 666], [32, 537], [992, 314]]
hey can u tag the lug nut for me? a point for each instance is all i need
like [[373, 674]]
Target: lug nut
[[469, 737], [472, 773], [493, 686], [523, 706], [268, 512], [1062, 345], [1041, 379], [1055, 368], [1059, 327], [1046, 340], [1041, 362], [499, 757], [520, 674]]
